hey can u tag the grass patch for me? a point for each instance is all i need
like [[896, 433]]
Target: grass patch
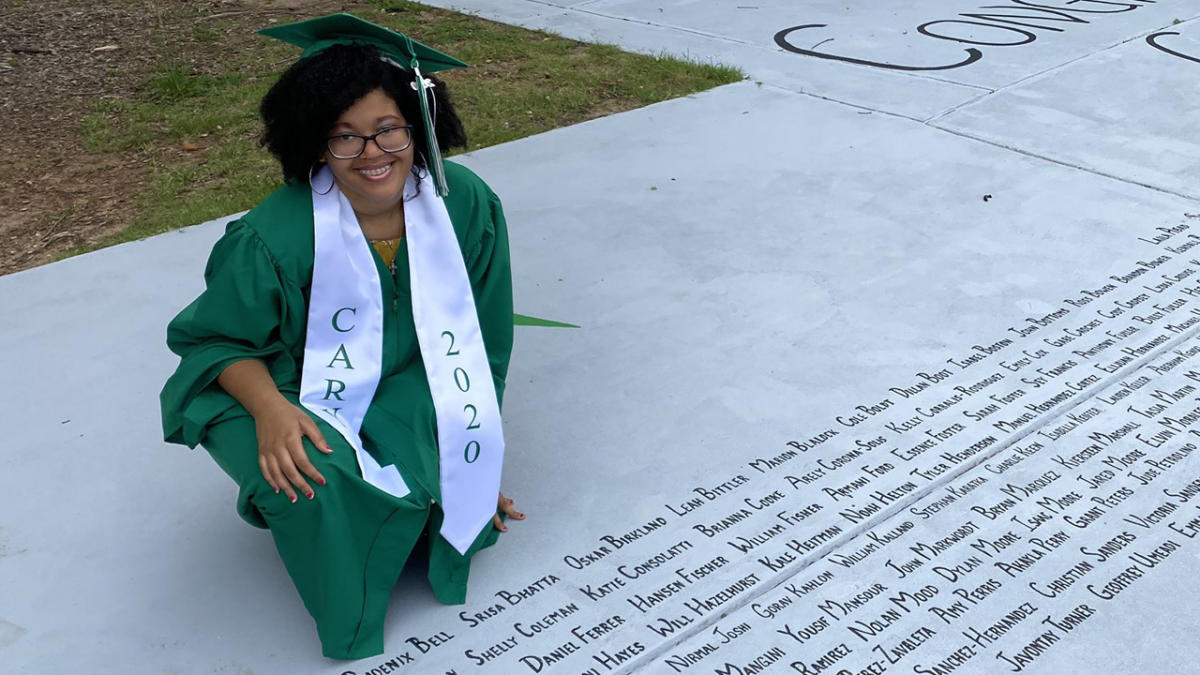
[[195, 119]]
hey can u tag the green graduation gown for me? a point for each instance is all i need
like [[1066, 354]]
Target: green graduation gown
[[344, 549]]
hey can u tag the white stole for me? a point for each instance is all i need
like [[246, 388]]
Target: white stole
[[343, 349], [343, 352]]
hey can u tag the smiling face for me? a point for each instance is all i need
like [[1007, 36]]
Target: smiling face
[[373, 181]]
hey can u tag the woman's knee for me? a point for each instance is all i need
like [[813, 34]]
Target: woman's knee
[[277, 503], [233, 444]]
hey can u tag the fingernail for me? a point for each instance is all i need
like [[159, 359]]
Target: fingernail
[[503, 528], [328, 448], [293, 499], [276, 490], [322, 481], [311, 495], [521, 516]]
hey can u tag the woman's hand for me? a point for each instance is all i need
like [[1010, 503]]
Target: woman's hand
[[280, 426], [281, 429], [506, 506]]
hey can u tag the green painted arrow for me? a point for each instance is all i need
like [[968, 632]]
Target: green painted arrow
[[523, 320]]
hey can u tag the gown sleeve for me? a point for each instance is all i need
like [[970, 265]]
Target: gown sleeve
[[491, 279], [238, 316]]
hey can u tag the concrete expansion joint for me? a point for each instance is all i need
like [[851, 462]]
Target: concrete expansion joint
[[1054, 69], [829, 99], [664, 26], [1070, 165], [930, 123]]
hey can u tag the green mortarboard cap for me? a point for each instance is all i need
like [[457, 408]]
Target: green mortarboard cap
[[316, 35]]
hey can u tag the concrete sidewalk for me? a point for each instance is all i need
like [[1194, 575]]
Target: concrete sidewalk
[[749, 266]]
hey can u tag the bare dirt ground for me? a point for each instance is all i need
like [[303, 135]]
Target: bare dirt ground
[[57, 59]]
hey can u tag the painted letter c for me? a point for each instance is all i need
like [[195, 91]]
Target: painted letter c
[[781, 39], [335, 319]]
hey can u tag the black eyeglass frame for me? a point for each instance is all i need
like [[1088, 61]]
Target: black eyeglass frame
[[366, 139]]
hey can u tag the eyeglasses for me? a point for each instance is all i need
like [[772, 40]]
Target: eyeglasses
[[349, 146]]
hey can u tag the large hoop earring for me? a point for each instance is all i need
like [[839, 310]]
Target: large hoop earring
[[311, 170], [416, 183]]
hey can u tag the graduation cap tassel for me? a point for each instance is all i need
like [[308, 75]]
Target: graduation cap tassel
[[434, 158]]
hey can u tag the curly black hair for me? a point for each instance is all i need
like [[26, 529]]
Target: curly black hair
[[307, 100]]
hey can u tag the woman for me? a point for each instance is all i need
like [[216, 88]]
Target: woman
[[353, 390]]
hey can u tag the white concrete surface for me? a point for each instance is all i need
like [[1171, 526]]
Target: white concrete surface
[[748, 265], [1128, 112]]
